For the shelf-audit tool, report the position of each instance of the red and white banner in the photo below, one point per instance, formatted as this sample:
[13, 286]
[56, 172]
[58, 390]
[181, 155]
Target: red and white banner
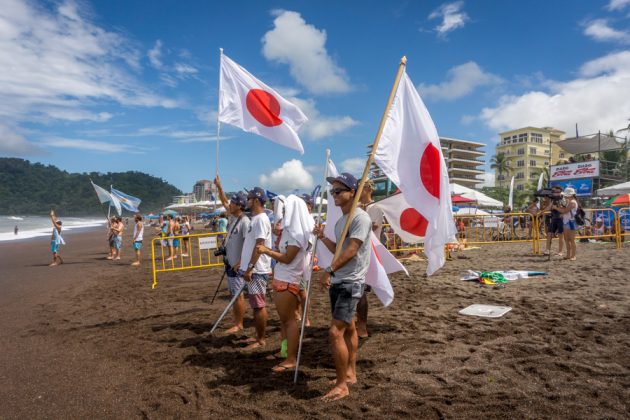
[574, 170]
[251, 105]
[409, 153]
[403, 219]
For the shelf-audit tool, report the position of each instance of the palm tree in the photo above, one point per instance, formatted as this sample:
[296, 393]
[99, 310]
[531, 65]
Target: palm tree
[499, 163]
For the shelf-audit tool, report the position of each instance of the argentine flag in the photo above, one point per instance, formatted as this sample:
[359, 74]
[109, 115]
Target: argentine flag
[127, 202]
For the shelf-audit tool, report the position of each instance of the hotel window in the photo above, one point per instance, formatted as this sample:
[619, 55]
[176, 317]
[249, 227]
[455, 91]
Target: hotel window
[521, 151]
[532, 150]
[507, 163]
[532, 163]
[562, 154]
[537, 138]
[546, 163]
[533, 175]
[520, 175]
[522, 138]
[506, 139]
[546, 151]
[520, 163]
[520, 187]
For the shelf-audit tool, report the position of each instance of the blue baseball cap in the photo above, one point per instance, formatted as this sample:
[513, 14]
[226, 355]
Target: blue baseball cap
[346, 179]
[258, 193]
[239, 199]
[307, 199]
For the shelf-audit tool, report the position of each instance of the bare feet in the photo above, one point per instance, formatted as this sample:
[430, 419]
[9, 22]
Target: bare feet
[52, 264]
[117, 258]
[362, 332]
[254, 345]
[60, 259]
[350, 380]
[135, 263]
[274, 356]
[338, 392]
[234, 329]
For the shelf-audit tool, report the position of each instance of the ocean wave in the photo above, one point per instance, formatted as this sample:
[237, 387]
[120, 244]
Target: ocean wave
[68, 225]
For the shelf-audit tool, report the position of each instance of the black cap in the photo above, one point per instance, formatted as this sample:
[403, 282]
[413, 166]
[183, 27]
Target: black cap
[239, 199]
[307, 199]
[346, 179]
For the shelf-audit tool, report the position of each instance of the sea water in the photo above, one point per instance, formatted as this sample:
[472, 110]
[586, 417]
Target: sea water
[34, 226]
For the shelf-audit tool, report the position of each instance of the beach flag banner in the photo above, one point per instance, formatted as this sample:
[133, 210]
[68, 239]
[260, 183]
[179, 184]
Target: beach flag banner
[511, 196]
[403, 219]
[127, 202]
[409, 153]
[382, 262]
[105, 196]
[249, 104]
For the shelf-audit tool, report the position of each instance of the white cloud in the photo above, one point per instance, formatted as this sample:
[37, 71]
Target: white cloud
[460, 81]
[14, 144]
[488, 179]
[354, 165]
[184, 70]
[91, 145]
[617, 4]
[303, 48]
[452, 17]
[290, 176]
[596, 100]
[599, 30]
[56, 64]
[320, 126]
[155, 55]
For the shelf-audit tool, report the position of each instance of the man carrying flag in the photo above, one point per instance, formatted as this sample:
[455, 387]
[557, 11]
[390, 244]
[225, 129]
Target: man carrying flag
[345, 278]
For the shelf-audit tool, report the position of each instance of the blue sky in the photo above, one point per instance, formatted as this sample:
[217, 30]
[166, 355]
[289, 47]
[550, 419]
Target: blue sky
[119, 85]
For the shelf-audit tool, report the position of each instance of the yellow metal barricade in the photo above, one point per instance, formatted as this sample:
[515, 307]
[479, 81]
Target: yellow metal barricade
[395, 244]
[623, 225]
[200, 249]
[481, 229]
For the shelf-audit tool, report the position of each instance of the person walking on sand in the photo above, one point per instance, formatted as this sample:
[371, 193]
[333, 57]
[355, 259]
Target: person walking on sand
[15, 230]
[138, 233]
[256, 272]
[55, 240]
[170, 232]
[345, 278]
[237, 229]
[293, 259]
[553, 221]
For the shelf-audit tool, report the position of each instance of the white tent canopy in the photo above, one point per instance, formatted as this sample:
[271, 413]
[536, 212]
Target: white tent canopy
[481, 199]
[623, 188]
[198, 204]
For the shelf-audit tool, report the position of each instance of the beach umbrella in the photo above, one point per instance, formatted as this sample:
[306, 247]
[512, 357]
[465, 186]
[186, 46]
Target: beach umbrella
[622, 200]
[171, 212]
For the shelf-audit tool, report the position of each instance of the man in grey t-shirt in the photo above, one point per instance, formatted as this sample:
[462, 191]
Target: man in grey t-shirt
[346, 278]
[236, 231]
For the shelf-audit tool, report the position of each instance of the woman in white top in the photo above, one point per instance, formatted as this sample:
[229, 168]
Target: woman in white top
[292, 257]
[568, 219]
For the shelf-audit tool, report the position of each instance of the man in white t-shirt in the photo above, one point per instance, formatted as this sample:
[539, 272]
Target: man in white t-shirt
[256, 267]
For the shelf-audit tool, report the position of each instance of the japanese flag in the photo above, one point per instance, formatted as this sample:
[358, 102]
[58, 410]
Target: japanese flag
[409, 153]
[404, 219]
[251, 105]
[381, 261]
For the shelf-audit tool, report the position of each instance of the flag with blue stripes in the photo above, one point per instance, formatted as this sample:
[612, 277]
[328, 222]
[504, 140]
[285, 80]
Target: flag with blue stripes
[127, 201]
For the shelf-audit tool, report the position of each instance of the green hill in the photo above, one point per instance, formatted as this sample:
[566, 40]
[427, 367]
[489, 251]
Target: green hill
[33, 189]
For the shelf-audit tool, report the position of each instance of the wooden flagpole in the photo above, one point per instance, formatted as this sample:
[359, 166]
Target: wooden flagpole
[310, 270]
[218, 108]
[366, 170]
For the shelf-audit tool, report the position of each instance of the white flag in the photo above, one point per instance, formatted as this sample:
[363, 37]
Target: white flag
[404, 219]
[105, 196]
[381, 261]
[511, 196]
[409, 153]
[251, 105]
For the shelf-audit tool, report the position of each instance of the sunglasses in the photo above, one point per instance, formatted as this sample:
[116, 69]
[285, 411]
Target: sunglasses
[336, 191]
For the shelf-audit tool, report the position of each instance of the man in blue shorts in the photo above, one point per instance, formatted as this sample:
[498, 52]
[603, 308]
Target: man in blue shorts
[345, 278]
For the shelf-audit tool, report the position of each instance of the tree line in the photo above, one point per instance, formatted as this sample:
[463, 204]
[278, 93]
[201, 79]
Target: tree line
[33, 189]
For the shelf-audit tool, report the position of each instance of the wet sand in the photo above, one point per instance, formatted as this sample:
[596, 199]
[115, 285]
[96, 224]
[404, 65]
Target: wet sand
[90, 339]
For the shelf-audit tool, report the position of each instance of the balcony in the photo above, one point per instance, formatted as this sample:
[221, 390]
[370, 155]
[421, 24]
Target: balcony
[465, 170]
[466, 160]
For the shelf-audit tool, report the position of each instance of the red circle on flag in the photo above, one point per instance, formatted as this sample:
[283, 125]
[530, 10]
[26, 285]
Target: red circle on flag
[264, 107]
[413, 222]
[430, 170]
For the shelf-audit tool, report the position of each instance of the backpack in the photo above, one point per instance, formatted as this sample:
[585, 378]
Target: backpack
[580, 215]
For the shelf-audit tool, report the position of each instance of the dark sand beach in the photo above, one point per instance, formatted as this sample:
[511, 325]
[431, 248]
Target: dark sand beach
[90, 339]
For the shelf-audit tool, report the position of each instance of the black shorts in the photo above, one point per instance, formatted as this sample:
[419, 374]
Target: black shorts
[344, 298]
[556, 226]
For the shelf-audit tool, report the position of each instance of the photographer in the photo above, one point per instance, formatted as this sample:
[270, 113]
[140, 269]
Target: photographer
[568, 210]
[553, 221]
[233, 246]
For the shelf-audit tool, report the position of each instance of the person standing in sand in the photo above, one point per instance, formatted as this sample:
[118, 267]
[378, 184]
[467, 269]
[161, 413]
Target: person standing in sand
[117, 230]
[553, 221]
[345, 278]
[55, 240]
[293, 258]
[237, 229]
[568, 212]
[365, 203]
[256, 272]
[138, 233]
